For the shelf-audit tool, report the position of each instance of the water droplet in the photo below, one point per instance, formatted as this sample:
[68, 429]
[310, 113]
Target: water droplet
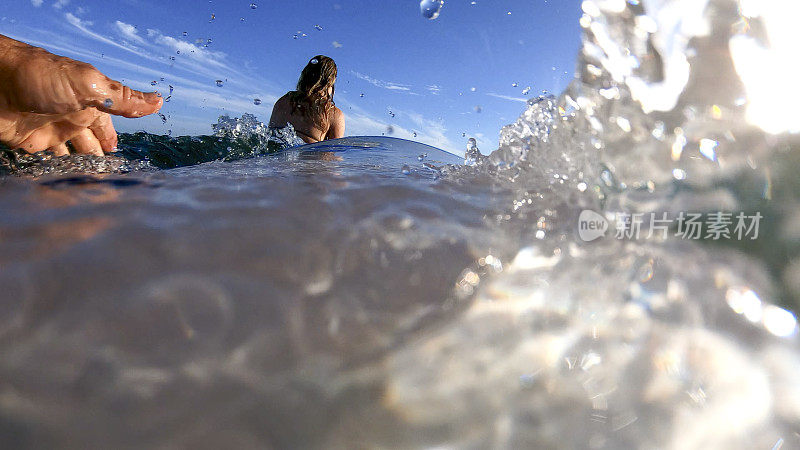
[163, 117]
[526, 90]
[422, 156]
[256, 101]
[253, 6]
[473, 154]
[708, 148]
[318, 27]
[389, 129]
[314, 61]
[172, 58]
[430, 9]
[473, 89]
[185, 33]
[391, 114]
[153, 83]
[415, 134]
[213, 18]
[405, 170]
[219, 83]
[108, 103]
[362, 95]
[478, 109]
[514, 84]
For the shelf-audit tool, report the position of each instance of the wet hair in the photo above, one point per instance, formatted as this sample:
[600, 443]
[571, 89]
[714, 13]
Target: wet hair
[311, 96]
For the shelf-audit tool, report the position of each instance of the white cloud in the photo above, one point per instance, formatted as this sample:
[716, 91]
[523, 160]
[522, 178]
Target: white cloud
[37, 3]
[359, 123]
[336, 44]
[187, 48]
[83, 25]
[60, 4]
[434, 89]
[506, 97]
[382, 84]
[129, 32]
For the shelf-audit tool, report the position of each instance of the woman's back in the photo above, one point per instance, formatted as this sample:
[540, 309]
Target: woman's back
[310, 124]
[311, 109]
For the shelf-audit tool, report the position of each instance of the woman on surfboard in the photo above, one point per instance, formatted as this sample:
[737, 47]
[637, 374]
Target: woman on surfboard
[310, 109]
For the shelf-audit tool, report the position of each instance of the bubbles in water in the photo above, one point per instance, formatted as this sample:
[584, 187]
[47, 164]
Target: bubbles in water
[185, 33]
[256, 101]
[253, 6]
[153, 83]
[405, 170]
[391, 114]
[318, 27]
[362, 95]
[169, 96]
[431, 8]
[219, 83]
[108, 103]
[163, 117]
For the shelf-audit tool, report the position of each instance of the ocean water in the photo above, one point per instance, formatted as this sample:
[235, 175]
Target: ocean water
[379, 293]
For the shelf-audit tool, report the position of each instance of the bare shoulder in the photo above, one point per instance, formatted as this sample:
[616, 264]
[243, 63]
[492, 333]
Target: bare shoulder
[338, 115]
[336, 129]
[284, 100]
[281, 111]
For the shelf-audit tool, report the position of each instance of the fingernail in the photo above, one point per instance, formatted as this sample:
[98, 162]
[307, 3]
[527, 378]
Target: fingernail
[152, 99]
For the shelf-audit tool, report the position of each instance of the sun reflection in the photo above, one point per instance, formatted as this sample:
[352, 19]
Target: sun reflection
[769, 70]
[776, 320]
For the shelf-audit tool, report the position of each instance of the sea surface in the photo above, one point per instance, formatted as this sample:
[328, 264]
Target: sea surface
[238, 291]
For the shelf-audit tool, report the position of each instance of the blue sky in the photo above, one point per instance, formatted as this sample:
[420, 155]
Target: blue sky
[441, 79]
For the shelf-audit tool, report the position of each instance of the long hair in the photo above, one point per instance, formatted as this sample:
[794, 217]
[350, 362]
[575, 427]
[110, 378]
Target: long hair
[311, 96]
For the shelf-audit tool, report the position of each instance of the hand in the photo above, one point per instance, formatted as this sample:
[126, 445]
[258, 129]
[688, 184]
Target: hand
[47, 100]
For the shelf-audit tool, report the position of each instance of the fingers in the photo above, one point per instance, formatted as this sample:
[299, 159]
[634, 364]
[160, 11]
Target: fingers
[103, 129]
[115, 98]
[86, 143]
[60, 149]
